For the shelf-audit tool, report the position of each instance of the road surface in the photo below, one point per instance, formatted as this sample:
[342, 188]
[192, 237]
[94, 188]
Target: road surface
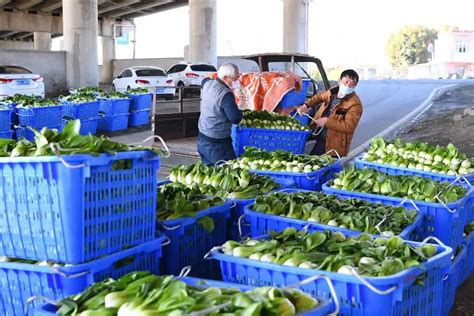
[387, 101]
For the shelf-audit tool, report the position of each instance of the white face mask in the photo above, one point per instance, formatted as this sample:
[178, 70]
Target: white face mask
[343, 89]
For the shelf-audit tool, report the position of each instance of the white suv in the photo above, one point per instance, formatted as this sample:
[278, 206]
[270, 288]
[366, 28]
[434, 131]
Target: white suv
[187, 74]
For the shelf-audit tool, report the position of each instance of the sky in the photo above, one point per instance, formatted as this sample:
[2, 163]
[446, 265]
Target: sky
[341, 33]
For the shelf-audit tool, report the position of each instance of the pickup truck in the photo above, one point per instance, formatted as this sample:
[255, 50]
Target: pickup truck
[184, 123]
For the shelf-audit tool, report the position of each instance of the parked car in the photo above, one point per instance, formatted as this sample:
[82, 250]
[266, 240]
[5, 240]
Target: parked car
[188, 74]
[19, 80]
[145, 77]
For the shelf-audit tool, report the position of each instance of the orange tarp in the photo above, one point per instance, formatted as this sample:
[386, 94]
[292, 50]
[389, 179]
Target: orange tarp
[264, 90]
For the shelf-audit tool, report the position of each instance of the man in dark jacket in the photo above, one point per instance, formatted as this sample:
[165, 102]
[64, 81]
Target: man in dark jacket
[218, 112]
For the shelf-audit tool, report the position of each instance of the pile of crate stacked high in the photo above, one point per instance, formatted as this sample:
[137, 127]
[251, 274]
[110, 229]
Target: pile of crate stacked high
[86, 112]
[37, 118]
[140, 108]
[92, 216]
[114, 114]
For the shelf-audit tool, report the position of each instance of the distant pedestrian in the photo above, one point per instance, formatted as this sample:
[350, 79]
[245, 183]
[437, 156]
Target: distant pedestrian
[338, 111]
[218, 112]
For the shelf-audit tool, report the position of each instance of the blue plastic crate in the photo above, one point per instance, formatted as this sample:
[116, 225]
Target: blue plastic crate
[450, 284]
[5, 119]
[114, 106]
[394, 170]
[82, 111]
[7, 134]
[26, 133]
[324, 307]
[268, 139]
[113, 123]
[360, 163]
[468, 266]
[40, 116]
[190, 242]
[308, 181]
[238, 210]
[138, 118]
[26, 280]
[50, 211]
[262, 224]
[447, 225]
[404, 297]
[89, 126]
[294, 97]
[140, 101]
[14, 116]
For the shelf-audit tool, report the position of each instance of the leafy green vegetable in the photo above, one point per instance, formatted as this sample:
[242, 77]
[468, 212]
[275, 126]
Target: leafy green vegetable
[176, 200]
[80, 98]
[416, 188]
[27, 101]
[140, 293]
[86, 90]
[270, 120]
[421, 156]
[469, 228]
[138, 91]
[280, 160]
[223, 180]
[351, 214]
[114, 95]
[68, 142]
[328, 251]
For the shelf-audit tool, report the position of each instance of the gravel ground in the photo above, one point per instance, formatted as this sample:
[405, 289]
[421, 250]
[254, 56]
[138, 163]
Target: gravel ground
[450, 119]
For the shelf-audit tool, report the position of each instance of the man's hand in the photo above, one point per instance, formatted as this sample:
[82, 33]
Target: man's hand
[302, 109]
[321, 122]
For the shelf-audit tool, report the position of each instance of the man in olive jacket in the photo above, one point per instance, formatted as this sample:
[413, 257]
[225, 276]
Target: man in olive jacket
[338, 111]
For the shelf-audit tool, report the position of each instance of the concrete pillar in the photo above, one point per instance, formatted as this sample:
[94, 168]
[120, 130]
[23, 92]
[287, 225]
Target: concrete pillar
[203, 31]
[80, 22]
[108, 50]
[42, 40]
[186, 52]
[295, 26]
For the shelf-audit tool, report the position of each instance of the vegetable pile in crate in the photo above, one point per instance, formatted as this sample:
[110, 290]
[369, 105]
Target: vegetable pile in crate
[445, 206]
[302, 171]
[141, 293]
[269, 131]
[194, 222]
[27, 278]
[375, 276]
[72, 198]
[239, 185]
[87, 90]
[223, 180]
[436, 162]
[315, 210]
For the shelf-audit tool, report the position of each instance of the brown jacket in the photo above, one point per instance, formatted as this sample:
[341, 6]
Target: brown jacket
[342, 121]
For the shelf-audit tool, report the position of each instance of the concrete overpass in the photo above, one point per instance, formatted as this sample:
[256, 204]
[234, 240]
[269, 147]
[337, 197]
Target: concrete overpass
[23, 22]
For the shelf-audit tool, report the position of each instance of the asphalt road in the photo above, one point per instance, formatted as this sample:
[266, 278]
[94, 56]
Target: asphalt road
[387, 101]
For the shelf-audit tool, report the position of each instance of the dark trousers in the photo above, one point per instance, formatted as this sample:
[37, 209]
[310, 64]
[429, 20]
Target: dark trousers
[320, 146]
[211, 152]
